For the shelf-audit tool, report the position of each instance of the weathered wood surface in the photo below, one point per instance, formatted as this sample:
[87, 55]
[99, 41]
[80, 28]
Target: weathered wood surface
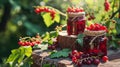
[38, 56]
[67, 41]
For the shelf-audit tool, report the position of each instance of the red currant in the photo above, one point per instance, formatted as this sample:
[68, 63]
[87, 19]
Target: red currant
[96, 61]
[37, 10]
[74, 52]
[105, 58]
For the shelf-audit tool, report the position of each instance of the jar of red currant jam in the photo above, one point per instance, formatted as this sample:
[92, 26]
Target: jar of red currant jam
[76, 21]
[95, 41]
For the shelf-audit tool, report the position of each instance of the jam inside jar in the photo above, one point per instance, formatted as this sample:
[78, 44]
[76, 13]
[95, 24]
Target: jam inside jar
[95, 44]
[76, 23]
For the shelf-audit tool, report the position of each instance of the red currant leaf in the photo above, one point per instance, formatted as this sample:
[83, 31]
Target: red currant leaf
[57, 18]
[47, 19]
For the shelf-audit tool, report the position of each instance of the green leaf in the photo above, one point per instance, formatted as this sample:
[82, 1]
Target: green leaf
[47, 19]
[28, 51]
[62, 53]
[57, 18]
[50, 41]
[18, 55]
[53, 34]
[46, 36]
[12, 56]
[80, 39]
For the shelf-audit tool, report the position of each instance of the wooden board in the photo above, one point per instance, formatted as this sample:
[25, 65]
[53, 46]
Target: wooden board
[66, 62]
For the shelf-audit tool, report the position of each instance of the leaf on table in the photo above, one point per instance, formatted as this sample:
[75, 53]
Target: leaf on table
[62, 53]
[41, 46]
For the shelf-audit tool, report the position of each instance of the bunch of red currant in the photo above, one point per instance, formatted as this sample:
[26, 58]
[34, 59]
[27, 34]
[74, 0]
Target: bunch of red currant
[45, 9]
[53, 46]
[29, 41]
[79, 58]
[107, 5]
[96, 27]
[74, 10]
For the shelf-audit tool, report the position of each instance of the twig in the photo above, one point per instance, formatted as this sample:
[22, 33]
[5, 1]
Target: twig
[113, 14]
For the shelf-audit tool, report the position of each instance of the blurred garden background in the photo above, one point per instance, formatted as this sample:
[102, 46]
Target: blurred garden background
[18, 19]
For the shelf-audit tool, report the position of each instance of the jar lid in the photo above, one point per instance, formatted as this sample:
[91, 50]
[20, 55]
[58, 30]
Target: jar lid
[77, 14]
[94, 33]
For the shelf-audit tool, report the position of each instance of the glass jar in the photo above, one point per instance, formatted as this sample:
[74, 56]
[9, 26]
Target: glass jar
[95, 42]
[76, 23]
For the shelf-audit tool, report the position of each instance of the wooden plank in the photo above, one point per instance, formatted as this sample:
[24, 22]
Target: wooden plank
[66, 62]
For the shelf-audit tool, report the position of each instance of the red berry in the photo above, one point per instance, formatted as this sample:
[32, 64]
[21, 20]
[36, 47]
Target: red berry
[74, 59]
[107, 5]
[74, 52]
[23, 44]
[38, 42]
[105, 58]
[37, 10]
[89, 18]
[69, 9]
[77, 10]
[49, 47]
[20, 42]
[84, 61]
[31, 44]
[96, 61]
[79, 64]
[53, 47]
[88, 62]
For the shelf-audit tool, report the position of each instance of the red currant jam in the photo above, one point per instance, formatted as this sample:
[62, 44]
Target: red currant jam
[76, 23]
[80, 26]
[98, 46]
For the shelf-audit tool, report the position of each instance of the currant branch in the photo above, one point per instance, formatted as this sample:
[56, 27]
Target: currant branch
[113, 14]
[63, 14]
[57, 11]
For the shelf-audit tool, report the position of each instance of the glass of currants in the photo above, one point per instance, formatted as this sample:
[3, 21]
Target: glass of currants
[76, 21]
[95, 40]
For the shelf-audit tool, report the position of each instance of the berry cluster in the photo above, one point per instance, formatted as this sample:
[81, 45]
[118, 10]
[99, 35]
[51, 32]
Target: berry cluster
[45, 9]
[79, 58]
[107, 5]
[53, 47]
[90, 16]
[74, 10]
[29, 41]
[96, 27]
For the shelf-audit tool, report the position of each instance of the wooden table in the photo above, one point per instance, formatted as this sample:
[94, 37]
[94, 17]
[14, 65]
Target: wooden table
[40, 58]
